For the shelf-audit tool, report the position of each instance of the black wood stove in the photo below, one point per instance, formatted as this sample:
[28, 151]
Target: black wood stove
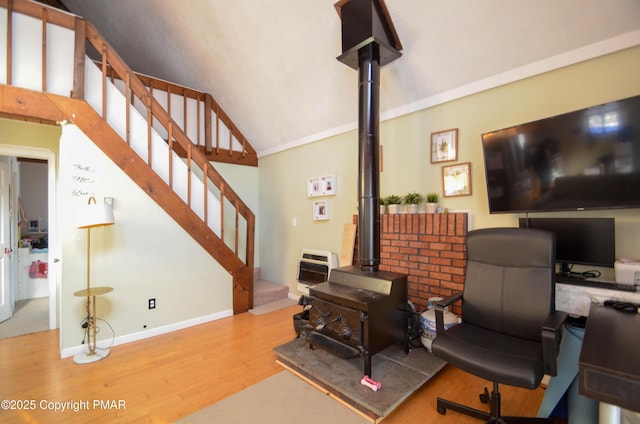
[360, 311]
[358, 314]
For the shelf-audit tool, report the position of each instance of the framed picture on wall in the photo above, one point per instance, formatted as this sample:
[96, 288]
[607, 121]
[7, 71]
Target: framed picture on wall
[321, 210]
[444, 146]
[313, 187]
[456, 180]
[321, 186]
[34, 226]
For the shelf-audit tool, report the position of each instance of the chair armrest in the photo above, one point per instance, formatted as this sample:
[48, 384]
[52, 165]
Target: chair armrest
[448, 301]
[551, 336]
[440, 310]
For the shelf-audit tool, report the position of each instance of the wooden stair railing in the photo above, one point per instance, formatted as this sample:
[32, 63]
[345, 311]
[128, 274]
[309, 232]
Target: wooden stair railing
[201, 212]
[213, 127]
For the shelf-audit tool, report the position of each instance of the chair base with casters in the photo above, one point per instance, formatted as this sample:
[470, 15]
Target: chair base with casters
[493, 416]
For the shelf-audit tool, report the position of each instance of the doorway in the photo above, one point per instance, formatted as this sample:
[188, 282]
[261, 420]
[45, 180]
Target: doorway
[42, 276]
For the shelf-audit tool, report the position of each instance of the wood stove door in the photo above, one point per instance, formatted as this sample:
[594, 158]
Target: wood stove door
[338, 322]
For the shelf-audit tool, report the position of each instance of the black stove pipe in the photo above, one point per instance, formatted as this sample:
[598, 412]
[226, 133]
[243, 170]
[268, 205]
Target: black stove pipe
[369, 157]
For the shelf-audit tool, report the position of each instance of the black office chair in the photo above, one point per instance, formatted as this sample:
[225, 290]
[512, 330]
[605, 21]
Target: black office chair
[510, 331]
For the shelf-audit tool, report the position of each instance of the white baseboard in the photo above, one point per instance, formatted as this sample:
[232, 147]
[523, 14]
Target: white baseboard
[293, 296]
[152, 332]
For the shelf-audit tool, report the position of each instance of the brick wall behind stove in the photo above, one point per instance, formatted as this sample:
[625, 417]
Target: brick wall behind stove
[429, 248]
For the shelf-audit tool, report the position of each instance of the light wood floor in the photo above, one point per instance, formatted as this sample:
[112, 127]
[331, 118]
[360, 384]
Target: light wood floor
[170, 376]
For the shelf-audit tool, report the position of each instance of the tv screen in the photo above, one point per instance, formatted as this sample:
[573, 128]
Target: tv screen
[579, 241]
[587, 159]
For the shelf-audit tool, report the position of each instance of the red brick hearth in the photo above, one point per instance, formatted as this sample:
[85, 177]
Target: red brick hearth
[429, 248]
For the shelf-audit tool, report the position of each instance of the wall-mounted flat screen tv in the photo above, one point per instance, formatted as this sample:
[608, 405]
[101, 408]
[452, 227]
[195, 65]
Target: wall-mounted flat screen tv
[586, 159]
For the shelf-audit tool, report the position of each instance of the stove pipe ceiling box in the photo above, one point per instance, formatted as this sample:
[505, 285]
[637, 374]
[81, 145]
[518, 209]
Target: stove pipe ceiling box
[365, 22]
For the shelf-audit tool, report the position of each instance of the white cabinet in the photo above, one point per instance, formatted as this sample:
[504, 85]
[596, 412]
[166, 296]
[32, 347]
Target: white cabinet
[27, 286]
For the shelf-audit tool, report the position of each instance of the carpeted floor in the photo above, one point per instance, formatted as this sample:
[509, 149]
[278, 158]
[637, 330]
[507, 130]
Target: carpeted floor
[280, 399]
[29, 316]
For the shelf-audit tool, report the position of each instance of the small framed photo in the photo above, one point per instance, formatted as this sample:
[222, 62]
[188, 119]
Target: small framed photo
[313, 187]
[34, 226]
[444, 146]
[321, 186]
[321, 210]
[456, 180]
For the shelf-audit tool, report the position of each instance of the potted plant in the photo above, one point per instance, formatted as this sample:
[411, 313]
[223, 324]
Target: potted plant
[393, 203]
[412, 200]
[432, 202]
[383, 205]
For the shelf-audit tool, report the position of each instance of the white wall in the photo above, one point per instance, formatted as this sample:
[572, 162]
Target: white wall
[407, 167]
[144, 255]
[244, 180]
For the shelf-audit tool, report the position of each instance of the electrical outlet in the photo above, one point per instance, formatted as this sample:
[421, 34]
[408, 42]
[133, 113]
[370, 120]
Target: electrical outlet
[152, 303]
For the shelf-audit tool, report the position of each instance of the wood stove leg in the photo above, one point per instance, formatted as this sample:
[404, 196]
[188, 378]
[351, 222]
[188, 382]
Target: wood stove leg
[407, 338]
[367, 365]
[408, 315]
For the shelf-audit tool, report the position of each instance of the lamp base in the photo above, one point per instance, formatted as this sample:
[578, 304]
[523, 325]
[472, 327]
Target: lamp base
[86, 358]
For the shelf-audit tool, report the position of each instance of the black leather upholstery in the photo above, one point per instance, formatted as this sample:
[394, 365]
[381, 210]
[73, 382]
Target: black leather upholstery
[493, 356]
[510, 331]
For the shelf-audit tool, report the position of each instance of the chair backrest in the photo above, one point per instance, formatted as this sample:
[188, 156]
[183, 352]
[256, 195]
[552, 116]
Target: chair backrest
[509, 280]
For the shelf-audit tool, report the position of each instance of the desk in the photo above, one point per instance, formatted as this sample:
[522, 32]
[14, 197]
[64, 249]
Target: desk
[609, 364]
[577, 299]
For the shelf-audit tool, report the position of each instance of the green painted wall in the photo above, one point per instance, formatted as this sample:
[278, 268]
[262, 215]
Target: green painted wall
[407, 167]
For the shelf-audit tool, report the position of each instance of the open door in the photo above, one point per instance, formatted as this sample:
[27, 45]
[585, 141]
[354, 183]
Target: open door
[6, 295]
[9, 263]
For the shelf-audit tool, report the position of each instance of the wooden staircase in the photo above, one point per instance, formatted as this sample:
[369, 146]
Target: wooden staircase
[124, 117]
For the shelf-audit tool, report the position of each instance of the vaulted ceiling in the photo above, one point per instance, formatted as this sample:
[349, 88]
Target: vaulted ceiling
[272, 64]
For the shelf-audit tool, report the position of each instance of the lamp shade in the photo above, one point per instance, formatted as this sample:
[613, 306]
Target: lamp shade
[94, 215]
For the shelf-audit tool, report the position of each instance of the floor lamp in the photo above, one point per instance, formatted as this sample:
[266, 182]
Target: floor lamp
[90, 216]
